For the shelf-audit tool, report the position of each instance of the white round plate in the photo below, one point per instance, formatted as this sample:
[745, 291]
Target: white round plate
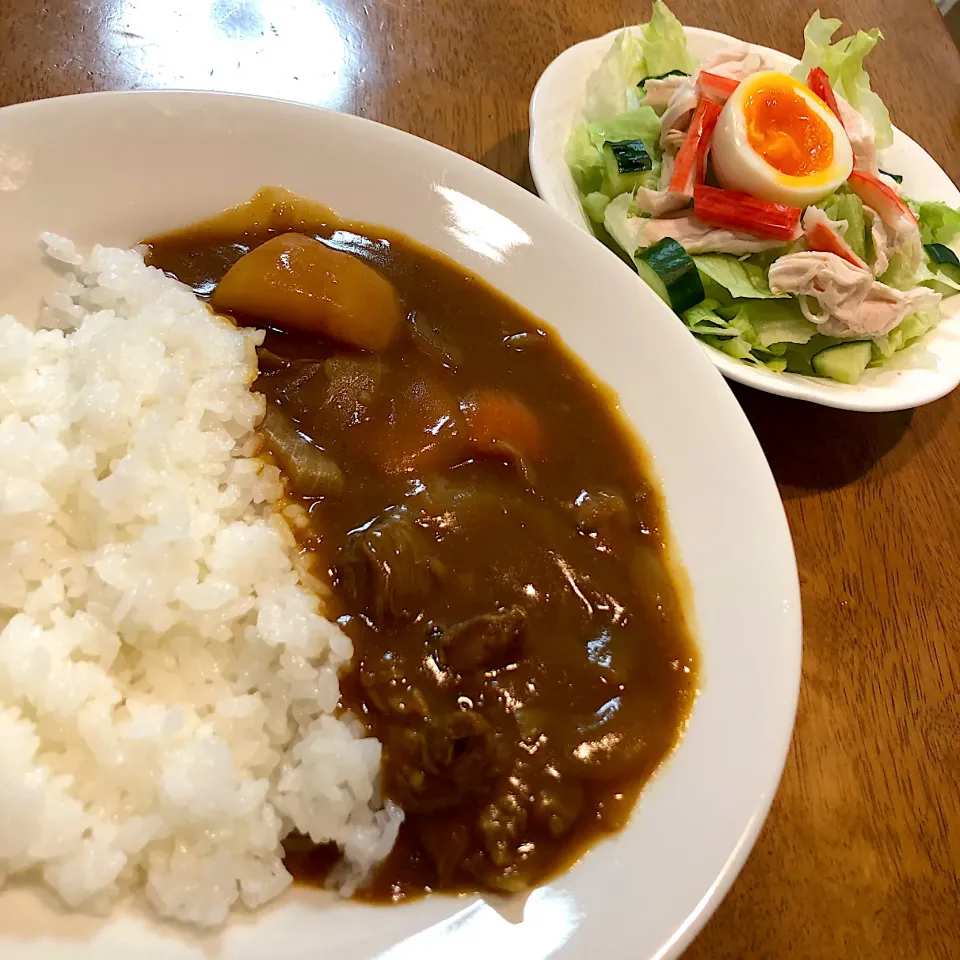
[112, 168]
[926, 371]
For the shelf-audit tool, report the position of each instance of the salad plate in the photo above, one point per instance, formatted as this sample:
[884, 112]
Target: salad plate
[906, 369]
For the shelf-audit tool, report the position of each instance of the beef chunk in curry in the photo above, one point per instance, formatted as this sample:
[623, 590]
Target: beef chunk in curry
[494, 544]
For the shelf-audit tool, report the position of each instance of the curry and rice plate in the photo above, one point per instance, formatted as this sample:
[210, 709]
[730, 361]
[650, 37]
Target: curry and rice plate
[379, 597]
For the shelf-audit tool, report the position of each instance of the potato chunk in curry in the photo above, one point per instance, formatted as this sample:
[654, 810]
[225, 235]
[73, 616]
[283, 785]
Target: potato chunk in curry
[296, 282]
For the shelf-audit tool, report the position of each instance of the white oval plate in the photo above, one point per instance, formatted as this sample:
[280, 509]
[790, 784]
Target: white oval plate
[113, 168]
[926, 371]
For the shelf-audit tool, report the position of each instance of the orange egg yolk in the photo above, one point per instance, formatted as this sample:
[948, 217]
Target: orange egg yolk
[786, 131]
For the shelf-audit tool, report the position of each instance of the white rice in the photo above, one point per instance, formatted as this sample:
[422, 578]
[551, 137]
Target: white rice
[167, 681]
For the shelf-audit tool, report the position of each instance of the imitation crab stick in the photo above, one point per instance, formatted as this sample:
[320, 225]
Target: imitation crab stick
[742, 212]
[691, 160]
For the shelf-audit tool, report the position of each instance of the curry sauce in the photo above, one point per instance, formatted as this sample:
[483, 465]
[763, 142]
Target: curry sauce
[495, 547]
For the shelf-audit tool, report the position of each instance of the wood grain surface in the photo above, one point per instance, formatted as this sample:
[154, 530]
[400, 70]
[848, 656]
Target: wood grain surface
[860, 855]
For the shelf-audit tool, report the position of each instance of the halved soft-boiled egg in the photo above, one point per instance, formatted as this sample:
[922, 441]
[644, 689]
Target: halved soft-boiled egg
[777, 140]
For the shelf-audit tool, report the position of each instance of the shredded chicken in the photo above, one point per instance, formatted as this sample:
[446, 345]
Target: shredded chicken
[698, 237]
[883, 240]
[862, 138]
[891, 183]
[679, 110]
[660, 92]
[673, 131]
[658, 203]
[673, 140]
[736, 62]
[667, 163]
[852, 303]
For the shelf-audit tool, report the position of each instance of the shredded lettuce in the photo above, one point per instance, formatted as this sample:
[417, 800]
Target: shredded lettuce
[773, 333]
[847, 206]
[595, 205]
[725, 335]
[778, 322]
[585, 161]
[909, 330]
[738, 336]
[843, 63]
[777, 364]
[612, 87]
[764, 333]
[640, 124]
[664, 45]
[622, 224]
[584, 152]
[938, 222]
[902, 274]
[704, 320]
[740, 278]
[650, 50]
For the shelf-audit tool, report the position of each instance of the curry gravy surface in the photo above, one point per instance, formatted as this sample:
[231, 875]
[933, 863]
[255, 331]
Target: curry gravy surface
[496, 550]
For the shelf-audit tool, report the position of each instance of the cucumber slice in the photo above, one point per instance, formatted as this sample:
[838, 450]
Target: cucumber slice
[940, 253]
[844, 362]
[627, 165]
[631, 155]
[663, 76]
[944, 269]
[895, 177]
[671, 272]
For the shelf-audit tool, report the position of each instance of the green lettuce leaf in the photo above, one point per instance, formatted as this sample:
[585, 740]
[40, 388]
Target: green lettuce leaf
[908, 331]
[902, 275]
[740, 278]
[735, 336]
[705, 321]
[622, 224]
[774, 333]
[712, 329]
[612, 87]
[642, 123]
[595, 205]
[776, 364]
[653, 49]
[584, 151]
[664, 45]
[777, 322]
[843, 63]
[917, 324]
[845, 205]
[585, 161]
[938, 222]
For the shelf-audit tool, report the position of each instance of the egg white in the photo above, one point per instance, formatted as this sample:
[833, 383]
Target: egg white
[739, 167]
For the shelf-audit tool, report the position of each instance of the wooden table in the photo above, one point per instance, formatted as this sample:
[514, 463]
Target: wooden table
[859, 858]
